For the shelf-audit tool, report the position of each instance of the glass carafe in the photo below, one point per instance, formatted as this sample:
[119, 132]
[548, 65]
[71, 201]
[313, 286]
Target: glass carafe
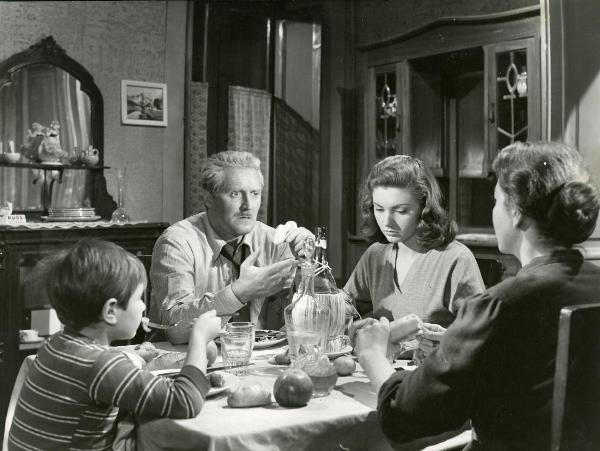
[120, 215]
[327, 292]
[306, 319]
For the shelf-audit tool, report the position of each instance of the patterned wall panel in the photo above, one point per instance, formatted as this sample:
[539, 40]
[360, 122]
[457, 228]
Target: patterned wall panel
[249, 129]
[198, 151]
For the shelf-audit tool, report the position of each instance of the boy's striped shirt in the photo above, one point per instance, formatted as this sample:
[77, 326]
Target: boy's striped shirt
[76, 388]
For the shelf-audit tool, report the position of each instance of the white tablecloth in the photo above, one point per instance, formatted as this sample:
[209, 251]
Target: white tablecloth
[344, 420]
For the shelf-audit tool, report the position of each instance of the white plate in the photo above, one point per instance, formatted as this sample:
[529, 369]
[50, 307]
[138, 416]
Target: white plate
[345, 350]
[260, 344]
[231, 381]
[268, 343]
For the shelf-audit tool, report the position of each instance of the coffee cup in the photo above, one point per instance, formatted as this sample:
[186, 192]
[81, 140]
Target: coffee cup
[28, 335]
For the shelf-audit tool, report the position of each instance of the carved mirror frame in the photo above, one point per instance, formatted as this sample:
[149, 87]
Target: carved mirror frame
[47, 51]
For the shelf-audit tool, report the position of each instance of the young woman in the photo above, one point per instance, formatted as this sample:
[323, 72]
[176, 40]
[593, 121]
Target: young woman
[495, 363]
[414, 265]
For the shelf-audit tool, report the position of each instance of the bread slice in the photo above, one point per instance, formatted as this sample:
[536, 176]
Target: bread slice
[167, 360]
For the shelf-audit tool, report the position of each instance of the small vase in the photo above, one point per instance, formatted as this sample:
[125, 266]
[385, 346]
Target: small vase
[120, 215]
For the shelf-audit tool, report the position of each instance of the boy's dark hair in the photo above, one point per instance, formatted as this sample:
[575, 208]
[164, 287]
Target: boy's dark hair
[79, 280]
[435, 228]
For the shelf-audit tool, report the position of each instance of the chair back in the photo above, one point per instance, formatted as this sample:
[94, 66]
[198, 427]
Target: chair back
[491, 270]
[12, 404]
[576, 401]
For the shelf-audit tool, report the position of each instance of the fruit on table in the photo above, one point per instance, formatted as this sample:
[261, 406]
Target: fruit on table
[253, 395]
[211, 352]
[216, 379]
[283, 358]
[293, 388]
[321, 371]
[344, 365]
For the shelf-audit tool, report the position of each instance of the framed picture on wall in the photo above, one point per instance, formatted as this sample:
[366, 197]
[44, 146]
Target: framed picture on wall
[143, 103]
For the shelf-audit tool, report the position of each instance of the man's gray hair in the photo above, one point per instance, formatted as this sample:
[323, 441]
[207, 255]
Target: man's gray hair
[212, 178]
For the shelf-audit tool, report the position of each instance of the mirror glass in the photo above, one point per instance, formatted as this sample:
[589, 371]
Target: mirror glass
[43, 93]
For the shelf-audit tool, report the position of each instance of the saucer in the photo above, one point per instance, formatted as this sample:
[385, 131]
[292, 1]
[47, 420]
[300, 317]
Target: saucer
[345, 350]
[35, 340]
[70, 219]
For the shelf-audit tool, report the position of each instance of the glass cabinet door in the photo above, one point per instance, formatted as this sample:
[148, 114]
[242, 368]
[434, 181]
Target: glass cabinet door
[454, 111]
[514, 92]
[386, 112]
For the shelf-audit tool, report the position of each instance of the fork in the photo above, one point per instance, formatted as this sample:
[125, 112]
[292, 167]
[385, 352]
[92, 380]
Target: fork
[158, 326]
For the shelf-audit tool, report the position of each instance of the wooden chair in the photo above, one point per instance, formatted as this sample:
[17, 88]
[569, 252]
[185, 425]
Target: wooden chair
[12, 404]
[491, 270]
[576, 401]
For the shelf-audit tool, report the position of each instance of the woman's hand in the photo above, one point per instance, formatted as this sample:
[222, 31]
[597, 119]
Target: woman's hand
[373, 337]
[371, 346]
[356, 326]
[430, 340]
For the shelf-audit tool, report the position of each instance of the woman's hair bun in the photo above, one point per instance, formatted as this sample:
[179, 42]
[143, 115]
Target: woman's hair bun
[573, 213]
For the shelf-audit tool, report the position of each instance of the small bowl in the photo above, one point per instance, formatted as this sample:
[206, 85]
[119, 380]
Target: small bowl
[12, 157]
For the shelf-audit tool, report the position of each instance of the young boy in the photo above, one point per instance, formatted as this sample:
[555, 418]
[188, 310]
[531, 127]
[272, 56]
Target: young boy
[78, 383]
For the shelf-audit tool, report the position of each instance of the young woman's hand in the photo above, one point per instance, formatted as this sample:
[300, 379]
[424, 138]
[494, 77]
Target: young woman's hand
[373, 338]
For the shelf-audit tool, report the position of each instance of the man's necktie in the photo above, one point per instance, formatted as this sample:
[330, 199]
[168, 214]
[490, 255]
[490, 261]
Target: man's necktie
[236, 254]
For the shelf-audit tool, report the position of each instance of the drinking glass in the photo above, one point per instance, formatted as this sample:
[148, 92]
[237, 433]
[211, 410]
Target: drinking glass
[242, 327]
[236, 348]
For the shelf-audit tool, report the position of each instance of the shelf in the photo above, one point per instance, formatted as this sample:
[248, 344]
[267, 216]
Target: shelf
[52, 167]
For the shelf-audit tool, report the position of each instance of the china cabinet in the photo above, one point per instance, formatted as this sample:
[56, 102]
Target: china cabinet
[453, 96]
[452, 93]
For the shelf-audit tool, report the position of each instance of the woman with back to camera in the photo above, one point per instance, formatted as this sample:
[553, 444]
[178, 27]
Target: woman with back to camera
[495, 364]
[414, 266]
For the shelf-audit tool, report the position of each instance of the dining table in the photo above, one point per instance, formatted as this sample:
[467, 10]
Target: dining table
[346, 419]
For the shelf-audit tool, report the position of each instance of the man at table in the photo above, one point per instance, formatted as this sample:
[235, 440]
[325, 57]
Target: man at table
[224, 259]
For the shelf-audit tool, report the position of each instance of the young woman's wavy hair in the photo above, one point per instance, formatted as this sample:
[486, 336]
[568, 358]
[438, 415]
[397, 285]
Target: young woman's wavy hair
[435, 228]
[549, 182]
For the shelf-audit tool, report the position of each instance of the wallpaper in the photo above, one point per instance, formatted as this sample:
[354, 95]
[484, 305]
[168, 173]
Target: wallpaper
[114, 41]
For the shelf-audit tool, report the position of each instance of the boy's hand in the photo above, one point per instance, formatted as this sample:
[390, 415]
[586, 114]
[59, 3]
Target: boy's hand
[207, 326]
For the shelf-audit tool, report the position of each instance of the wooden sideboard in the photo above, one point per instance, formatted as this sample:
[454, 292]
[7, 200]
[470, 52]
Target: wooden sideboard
[20, 249]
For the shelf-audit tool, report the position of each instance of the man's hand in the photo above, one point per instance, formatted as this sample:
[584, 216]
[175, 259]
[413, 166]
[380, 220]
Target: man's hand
[260, 282]
[432, 335]
[293, 235]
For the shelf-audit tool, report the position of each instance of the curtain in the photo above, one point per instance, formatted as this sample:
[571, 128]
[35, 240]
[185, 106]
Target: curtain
[250, 128]
[296, 155]
[197, 151]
